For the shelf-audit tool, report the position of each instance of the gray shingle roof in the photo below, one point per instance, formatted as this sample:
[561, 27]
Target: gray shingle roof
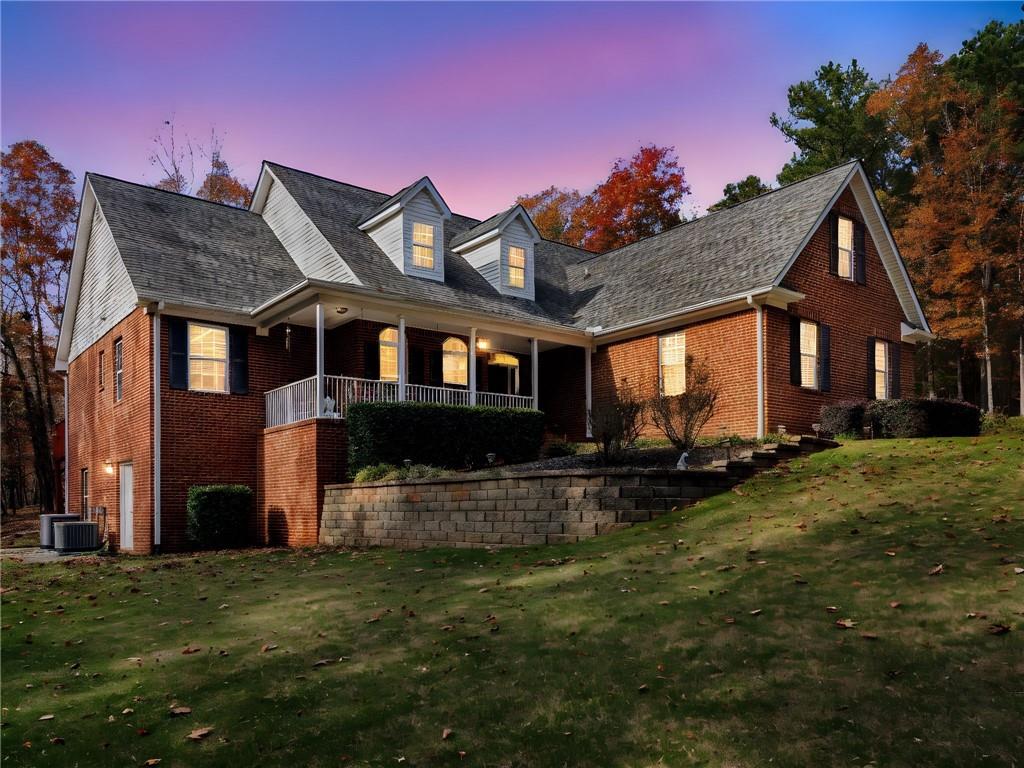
[184, 250]
[387, 203]
[336, 208]
[723, 254]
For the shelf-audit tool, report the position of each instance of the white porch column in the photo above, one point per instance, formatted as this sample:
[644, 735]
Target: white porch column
[588, 385]
[321, 393]
[534, 378]
[401, 357]
[472, 366]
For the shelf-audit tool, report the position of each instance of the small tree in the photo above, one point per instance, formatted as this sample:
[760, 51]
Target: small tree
[682, 417]
[617, 423]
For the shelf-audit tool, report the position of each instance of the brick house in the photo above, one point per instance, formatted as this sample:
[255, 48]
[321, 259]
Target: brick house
[208, 344]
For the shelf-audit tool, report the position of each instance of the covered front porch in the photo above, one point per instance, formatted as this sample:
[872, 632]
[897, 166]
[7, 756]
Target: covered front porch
[367, 353]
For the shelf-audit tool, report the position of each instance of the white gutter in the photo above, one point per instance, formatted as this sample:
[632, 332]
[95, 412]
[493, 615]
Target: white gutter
[759, 317]
[67, 446]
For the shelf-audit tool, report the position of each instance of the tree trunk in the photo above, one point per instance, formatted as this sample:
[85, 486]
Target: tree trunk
[986, 352]
[1020, 372]
[930, 371]
[959, 373]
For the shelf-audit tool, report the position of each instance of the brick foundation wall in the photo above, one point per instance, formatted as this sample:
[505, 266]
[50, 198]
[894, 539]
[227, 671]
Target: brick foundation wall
[101, 429]
[728, 344]
[547, 507]
[854, 312]
[295, 463]
[212, 437]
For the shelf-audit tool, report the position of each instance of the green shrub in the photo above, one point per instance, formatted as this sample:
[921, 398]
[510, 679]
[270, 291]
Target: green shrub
[923, 418]
[449, 436]
[845, 418]
[557, 448]
[386, 473]
[218, 516]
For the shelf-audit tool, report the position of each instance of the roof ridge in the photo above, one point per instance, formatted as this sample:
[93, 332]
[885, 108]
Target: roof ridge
[710, 214]
[94, 174]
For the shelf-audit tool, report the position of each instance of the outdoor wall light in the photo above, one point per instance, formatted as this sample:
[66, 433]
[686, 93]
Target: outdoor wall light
[483, 344]
[108, 467]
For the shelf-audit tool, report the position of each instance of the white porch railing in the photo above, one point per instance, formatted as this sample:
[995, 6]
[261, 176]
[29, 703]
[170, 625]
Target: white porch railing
[296, 401]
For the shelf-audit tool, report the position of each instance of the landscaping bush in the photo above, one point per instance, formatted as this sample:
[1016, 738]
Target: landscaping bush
[555, 449]
[450, 436]
[617, 423]
[923, 418]
[389, 472]
[219, 516]
[845, 418]
[682, 417]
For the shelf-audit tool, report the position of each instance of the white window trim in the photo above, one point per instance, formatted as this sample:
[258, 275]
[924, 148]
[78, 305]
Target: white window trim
[381, 342]
[119, 370]
[457, 357]
[189, 357]
[661, 369]
[431, 245]
[847, 256]
[816, 383]
[103, 372]
[507, 271]
[886, 394]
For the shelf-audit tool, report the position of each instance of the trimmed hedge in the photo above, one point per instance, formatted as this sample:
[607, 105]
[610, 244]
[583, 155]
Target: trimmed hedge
[845, 418]
[450, 436]
[219, 516]
[923, 418]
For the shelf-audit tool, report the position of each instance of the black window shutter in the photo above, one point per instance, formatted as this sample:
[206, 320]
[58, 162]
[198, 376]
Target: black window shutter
[416, 365]
[833, 243]
[371, 360]
[794, 350]
[436, 368]
[860, 254]
[871, 368]
[894, 370]
[238, 351]
[177, 343]
[824, 358]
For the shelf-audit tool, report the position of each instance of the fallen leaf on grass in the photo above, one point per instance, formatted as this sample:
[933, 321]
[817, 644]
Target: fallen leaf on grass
[846, 623]
[190, 650]
[127, 711]
[152, 761]
[267, 647]
[998, 629]
[199, 734]
[937, 570]
[831, 608]
[663, 602]
[1018, 571]
[756, 612]
[895, 604]
[446, 734]
[47, 717]
[869, 635]
[57, 740]
[643, 688]
[178, 711]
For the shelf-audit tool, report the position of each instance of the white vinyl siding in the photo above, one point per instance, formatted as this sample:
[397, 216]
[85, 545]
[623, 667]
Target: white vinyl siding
[207, 358]
[845, 264]
[672, 363]
[107, 295]
[423, 210]
[881, 370]
[808, 354]
[305, 243]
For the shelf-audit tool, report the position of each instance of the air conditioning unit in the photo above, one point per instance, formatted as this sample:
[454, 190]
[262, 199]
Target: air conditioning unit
[46, 528]
[76, 536]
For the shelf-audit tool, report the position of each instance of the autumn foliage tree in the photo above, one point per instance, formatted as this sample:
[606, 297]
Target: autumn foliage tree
[641, 197]
[175, 158]
[38, 216]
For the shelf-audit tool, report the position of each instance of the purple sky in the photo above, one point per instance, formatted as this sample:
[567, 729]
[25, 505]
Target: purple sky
[490, 100]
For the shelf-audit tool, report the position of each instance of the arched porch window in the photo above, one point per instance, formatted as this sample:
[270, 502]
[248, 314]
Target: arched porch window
[388, 344]
[455, 362]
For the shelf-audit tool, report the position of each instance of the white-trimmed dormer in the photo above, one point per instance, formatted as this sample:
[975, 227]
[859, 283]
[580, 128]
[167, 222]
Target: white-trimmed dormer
[409, 228]
[502, 250]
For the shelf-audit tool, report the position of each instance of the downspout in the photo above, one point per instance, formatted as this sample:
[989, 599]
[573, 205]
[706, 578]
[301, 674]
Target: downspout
[759, 318]
[67, 445]
[157, 481]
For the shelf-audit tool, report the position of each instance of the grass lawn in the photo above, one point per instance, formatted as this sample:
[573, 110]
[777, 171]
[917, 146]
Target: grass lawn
[708, 637]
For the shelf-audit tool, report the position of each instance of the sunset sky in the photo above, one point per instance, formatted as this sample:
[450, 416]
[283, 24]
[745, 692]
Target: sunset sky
[490, 100]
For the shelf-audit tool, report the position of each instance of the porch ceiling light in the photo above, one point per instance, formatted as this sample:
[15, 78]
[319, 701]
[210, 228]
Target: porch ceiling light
[483, 343]
[341, 310]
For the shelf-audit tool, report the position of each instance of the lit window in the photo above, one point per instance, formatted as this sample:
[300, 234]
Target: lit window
[845, 265]
[808, 354]
[516, 267]
[672, 360]
[118, 369]
[388, 342]
[455, 361]
[207, 358]
[103, 368]
[85, 492]
[881, 370]
[423, 245]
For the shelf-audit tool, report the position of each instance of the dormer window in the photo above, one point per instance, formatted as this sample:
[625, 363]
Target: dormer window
[423, 245]
[516, 270]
